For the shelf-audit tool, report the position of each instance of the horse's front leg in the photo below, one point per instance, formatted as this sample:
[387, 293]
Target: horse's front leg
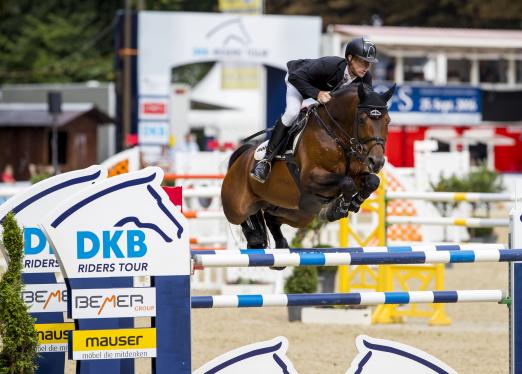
[366, 185]
[340, 206]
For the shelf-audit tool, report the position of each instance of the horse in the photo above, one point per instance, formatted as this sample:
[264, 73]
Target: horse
[340, 150]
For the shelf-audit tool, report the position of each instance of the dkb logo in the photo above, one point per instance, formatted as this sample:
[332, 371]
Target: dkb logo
[89, 244]
[35, 242]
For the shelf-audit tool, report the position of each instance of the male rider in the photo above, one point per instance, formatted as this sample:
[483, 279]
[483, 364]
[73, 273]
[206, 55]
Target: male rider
[315, 78]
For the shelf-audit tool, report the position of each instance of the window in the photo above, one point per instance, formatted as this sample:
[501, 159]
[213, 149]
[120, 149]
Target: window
[414, 69]
[518, 71]
[493, 71]
[62, 147]
[384, 70]
[459, 71]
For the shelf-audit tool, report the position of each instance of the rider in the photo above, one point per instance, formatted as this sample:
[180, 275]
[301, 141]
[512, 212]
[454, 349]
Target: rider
[315, 78]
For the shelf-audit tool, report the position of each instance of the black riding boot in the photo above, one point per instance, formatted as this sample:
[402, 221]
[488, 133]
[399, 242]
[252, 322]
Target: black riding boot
[262, 168]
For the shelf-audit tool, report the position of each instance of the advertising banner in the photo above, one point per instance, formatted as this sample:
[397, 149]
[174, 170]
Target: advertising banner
[113, 344]
[45, 298]
[37, 201]
[124, 226]
[433, 105]
[53, 337]
[113, 302]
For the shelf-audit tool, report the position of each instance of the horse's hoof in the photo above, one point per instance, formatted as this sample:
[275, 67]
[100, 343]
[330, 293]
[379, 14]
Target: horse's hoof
[278, 268]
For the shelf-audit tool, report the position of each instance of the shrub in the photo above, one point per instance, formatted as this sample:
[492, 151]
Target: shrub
[302, 280]
[19, 339]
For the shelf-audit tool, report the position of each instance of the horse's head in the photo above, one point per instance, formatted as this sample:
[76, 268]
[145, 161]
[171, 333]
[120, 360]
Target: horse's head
[370, 129]
[360, 117]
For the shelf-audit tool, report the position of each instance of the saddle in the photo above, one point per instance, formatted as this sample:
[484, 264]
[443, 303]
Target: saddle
[286, 149]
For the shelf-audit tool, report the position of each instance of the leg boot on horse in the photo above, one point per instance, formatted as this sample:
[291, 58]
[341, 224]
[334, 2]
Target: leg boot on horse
[262, 168]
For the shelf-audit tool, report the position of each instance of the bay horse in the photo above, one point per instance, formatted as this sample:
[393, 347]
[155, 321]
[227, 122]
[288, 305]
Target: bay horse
[340, 150]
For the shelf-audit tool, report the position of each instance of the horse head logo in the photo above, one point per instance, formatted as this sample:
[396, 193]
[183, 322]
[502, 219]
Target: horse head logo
[263, 357]
[379, 355]
[228, 32]
[31, 205]
[125, 224]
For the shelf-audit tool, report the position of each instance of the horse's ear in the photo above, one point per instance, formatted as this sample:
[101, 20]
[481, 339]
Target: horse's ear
[361, 91]
[388, 94]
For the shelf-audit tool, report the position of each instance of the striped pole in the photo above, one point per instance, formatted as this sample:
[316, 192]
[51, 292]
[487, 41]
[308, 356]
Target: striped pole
[208, 240]
[450, 196]
[336, 259]
[203, 214]
[369, 249]
[449, 221]
[173, 176]
[355, 298]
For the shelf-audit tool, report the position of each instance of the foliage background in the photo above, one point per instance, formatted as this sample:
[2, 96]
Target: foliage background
[71, 40]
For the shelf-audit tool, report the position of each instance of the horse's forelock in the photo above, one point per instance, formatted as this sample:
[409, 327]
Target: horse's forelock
[373, 99]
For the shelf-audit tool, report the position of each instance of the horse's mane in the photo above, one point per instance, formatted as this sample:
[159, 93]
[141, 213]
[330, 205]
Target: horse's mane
[344, 90]
[372, 98]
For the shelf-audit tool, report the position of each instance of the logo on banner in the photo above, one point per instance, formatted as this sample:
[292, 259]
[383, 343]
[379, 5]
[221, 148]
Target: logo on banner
[38, 253]
[230, 39]
[53, 337]
[124, 226]
[154, 108]
[114, 303]
[43, 298]
[114, 344]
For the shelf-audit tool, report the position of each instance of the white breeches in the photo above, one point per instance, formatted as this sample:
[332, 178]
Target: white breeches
[294, 100]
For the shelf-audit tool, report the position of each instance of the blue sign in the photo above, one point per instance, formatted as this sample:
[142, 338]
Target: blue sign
[433, 105]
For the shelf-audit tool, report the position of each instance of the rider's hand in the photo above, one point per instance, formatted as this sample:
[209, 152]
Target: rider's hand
[323, 97]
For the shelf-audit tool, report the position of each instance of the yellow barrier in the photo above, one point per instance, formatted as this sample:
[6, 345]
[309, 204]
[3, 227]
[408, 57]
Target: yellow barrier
[389, 277]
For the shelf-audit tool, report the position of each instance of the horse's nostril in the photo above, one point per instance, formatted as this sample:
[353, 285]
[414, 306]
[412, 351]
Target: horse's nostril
[375, 164]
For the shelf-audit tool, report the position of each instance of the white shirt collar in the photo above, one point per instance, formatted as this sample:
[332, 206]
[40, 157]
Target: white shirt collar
[347, 77]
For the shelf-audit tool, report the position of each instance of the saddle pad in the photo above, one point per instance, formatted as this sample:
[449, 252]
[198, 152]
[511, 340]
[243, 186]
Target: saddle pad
[261, 148]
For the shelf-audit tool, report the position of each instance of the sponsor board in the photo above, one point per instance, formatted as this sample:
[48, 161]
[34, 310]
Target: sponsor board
[153, 108]
[153, 132]
[123, 226]
[113, 303]
[113, 344]
[30, 205]
[53, 337]
[44, 298]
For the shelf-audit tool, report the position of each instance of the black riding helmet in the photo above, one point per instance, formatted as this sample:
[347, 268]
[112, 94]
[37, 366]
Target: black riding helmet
[362, 48]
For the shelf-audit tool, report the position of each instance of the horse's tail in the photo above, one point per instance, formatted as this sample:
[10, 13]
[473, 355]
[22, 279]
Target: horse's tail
[238, 152]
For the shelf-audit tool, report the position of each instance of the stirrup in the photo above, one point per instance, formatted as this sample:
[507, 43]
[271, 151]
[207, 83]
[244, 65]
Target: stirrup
[264, 160]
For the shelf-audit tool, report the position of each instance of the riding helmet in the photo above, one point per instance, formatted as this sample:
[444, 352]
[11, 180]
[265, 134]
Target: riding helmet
[362, 48]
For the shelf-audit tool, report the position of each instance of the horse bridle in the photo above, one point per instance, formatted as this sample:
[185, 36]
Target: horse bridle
[355, 145]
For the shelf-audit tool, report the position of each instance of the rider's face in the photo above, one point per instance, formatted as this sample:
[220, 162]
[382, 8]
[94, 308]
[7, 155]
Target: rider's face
[358, 66]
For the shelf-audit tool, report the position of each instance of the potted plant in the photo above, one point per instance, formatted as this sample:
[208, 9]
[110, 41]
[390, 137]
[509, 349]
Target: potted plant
[325, 274]
[302, 280]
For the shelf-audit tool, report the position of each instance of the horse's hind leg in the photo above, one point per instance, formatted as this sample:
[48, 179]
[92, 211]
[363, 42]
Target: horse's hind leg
[254, 230]
[274, 225]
